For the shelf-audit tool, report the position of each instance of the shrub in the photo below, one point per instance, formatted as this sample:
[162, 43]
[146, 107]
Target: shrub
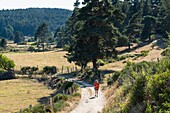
[76, 95]
[123, 57]
[101, 62]
[113, 78]
[144, 53]
[22, 43]
[111, 60]
[58, 106]
[34, 43]
[60, 97]
[50, 69]
[34, 69]
[35, 109]
[166, 52]
[158, 89]
[14, 50]
[25, 69]
[7, 75]
[31, 48]
[144, 85]
[67, 84]
[6, 63]
[138, 90]
[66, 47]
[28, 70]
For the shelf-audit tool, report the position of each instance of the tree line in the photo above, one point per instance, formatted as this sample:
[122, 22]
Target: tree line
[25, 21]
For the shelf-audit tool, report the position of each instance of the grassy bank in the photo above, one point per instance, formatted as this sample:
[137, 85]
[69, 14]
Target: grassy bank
[140, 88]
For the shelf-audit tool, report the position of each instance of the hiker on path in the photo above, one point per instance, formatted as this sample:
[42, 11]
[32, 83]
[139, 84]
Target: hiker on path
[96, 87]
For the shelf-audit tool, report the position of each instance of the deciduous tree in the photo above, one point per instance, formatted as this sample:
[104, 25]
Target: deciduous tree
[6, 63]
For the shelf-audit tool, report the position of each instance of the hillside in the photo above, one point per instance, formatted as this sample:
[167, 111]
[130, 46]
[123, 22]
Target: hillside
[27, 20]
[141, 85]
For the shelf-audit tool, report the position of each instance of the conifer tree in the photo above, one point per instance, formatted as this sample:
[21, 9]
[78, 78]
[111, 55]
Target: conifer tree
[150, 23]
[97, 36]
[41, 35]
[166, 20]
[18, 37]
[3, 43]
[133, 30]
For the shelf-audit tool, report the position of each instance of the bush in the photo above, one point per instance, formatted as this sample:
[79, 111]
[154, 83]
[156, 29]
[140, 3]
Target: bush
[76, 95]
[6, 63]
[50, 69]
[111, 60]
[25, 69]
[113, 78]
[66, 47]
[22, 43]
[166, 52]
[67, 84]
[7, 75]
[14, 50]
[31, 48]
[144, 53]
[101, 62]
[158, 89]
[143, 85]
[58, 106]
[34, 43]
[28, 70]
[123, 57]
[60, 97]
[35, 109]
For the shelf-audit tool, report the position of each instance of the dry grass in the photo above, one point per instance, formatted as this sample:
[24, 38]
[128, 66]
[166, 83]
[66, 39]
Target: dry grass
[20, 93]
[72, 103]
[115, 98]
[40, 59]
[154, 53]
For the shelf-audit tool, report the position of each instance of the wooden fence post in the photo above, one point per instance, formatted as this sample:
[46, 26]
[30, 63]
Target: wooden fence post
[30, 106]
[52, 105]
[70, 91]
[62, 69]
[71, 70]
[68, 69]
[72, 88]
[67, 92]
[20, 111]
[76, 68]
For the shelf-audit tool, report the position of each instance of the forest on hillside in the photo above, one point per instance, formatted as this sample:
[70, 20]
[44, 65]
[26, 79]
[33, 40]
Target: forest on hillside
[136, 20]
[26, 21]
[94, 31]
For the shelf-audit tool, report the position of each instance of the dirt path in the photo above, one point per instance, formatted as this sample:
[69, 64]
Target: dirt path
[89, 103]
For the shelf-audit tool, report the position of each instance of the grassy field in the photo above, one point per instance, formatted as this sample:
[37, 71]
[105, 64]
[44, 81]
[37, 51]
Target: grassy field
[40, 59]
[20, 93]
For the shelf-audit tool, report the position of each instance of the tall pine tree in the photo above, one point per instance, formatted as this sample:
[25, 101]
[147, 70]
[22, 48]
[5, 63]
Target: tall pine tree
[97, 36]
[41, 35]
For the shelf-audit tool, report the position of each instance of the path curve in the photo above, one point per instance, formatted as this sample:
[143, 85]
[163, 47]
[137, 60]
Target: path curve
[88, 103]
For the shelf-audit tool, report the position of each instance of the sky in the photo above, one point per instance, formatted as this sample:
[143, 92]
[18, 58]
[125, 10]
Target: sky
[18, 4]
